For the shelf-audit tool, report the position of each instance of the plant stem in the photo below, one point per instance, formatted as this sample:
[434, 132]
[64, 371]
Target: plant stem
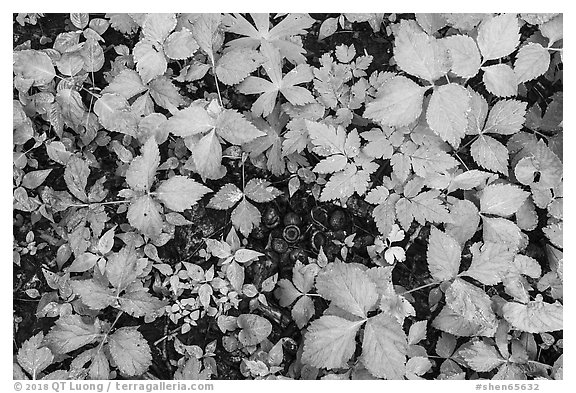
[421, 287]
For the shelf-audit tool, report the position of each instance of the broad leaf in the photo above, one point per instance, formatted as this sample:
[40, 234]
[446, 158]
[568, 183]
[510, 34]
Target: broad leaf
[180, 192]
[140, 303]
[150, 60]
[347, 287]
[260, 190]
[76, 177]
[245, 217]
[33, 357]
[498, 36]
[399, 103]
[207, 154]
[115, 114]
[180, 45]
[330, 342]
[130, 351]
[481, 357]
[254, 329]
[532, 61]
[34, 65]
[144, 215]
[502, 199]
[506, 117]
[501, 230]
[491, 263]
[228, 196]
[465, 223]
[500, 80]
[535, 317]
[447, 112]
[303, 311]
[93, 294]
[443, 255]
[464, 54]
[234, 66]
[490, 154]
[142, 170]
[384, 347]
[70, 333]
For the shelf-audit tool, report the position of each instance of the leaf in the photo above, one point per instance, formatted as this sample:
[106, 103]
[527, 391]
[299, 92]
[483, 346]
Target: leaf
[99, 366]
[501, 230]
[330, 342]
[347, 287]
[127, 84]
[535, 316]
[490, 154]
[498, 36]
[491, 263]
[302, 311]
[378, 146]
[417, 366]
[472, 304]
[157, 26]
[234, 66]
[180, 193]
[165, 93]
[235, 274]
[532, 61]
[286, 293]
[417, 332]
[34, 65]
[115, 114]
[34, 179]
[93, 55]
[443, 255]
[122, 268]
[502, 199]
[140, 303]
[144, 215]
[70, 333]
[481, 357]
[142, 170]
[399, 103]
[384, 348]
[420, 54]
[93, 294]
[33, 357]
[180, 45]
[150, 60]
[190, 121]
[341, 185]
[553, 29]
[245, 217]
[500, 80]
[226, 197]
[235, 128]
[447, 112]
[506, 117]
[327, 139]
[83, 262]
[464, 54]
[327, 28]
[424, 207]
[130, 351]
[254, 329]
[208, 156]
[76, 177]
[465, 221]
[260, 190]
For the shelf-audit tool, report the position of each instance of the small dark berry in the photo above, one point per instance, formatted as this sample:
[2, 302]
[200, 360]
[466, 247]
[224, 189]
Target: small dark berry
[318, 240]
[271, 218]
[279, 245]
[292, 219]
[291, 233]
[337, 220]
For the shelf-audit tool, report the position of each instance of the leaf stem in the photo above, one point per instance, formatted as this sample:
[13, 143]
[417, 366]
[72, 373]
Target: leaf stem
[421, 287]
[556, 49]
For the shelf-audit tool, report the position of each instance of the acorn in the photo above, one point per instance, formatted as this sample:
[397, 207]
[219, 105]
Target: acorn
[337, 220]
[279, 245]
[292, 219]
[318, 240]
[271, 217]
[291, 233]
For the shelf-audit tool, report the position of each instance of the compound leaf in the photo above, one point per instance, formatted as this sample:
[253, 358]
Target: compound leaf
[76, 177]
[93, 294]
[115, 114]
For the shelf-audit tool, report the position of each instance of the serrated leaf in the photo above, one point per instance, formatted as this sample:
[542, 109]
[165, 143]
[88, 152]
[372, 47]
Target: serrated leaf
[443, 255]
[76, 177]
[327, 139]
[378, 146]
[34, 179]
[157, 26]
[327, 28]
[330, 342]
[190, 121]
[420, 54]
[260, 190]
[127, 83]
[500, 80]
[331, 164]
[384, 347]
[347, 287]
[130, 351]
[140, 303]
[428, 161]
[226, 197]
[535, 317]
[122, 268]
[502, 199]
[481, 357]
[165, 93]
[208, 156]
[425, 207]
[234, 66]
[150, 60]
[235, 128]
[245, 217]
[472, 304]
[490, 154]
[553, 29]
[34, 65]
[455, 324]
[33, 357]
[180, 193]
[447, 112]
[491, 263]
[464, 54]
[83, 262]
[70, 333]
[498, 36]
[142, 170]
[180, 45]
[501, 230]
[144, 215]
[417, 332]
[115, 114]
[399, 103]
[532, 61]
[303, 311]
[254, 329]
[506, 117]
[465, 221]
[235, 274]
[93, 294]
[341, 185]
